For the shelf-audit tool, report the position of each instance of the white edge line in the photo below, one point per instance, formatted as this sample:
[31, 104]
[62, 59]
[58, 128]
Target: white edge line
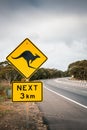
[66, 98]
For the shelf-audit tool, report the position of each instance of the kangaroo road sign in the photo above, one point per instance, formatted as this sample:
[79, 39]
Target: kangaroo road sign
[27, 91]
[26, 58]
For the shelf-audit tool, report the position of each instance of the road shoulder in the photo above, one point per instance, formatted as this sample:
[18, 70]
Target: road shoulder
[15, 116]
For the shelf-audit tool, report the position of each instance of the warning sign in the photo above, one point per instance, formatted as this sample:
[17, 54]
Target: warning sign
[26, 58]
[27, 91]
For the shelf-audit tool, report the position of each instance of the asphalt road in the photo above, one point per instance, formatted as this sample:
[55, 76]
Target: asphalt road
[65, 105]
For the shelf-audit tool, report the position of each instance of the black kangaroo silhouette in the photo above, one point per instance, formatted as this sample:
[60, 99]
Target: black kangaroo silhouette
[28, 56]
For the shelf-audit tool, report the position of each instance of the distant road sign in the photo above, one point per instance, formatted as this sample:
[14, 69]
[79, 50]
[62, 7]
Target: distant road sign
[27, 91]
[26, 58]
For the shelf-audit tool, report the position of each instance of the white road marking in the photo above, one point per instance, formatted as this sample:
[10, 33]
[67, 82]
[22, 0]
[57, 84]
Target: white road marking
[73, 83]
[66, 98]
[84, 92]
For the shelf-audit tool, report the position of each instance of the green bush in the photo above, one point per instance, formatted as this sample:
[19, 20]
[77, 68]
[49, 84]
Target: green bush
[8, 93]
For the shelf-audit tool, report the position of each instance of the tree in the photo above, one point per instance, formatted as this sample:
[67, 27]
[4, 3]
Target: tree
[8, 72]
[78, 69]
[46, 73]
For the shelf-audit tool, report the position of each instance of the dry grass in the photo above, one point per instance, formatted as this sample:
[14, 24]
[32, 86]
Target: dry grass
[15, 116]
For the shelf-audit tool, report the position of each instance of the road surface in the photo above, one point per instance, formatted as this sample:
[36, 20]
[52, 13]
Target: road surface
[65, 105]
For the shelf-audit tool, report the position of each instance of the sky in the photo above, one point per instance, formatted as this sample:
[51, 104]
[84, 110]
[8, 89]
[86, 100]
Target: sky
[57, 27]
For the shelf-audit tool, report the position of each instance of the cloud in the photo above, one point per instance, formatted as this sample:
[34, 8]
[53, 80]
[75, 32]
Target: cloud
[60, 55]
[55, 26]
[57, 6]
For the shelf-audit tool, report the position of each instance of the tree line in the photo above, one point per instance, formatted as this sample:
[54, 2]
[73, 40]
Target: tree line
[76, 69]
[9, 73]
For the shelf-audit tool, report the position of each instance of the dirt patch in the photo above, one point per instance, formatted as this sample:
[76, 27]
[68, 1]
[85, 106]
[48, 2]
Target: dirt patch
[20, 116]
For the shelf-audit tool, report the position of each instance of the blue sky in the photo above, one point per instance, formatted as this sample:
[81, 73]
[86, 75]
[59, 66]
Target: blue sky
[57, 27]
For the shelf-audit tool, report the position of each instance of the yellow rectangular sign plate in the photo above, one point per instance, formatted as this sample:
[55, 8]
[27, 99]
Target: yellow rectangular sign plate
[27, 91]
[26, 58]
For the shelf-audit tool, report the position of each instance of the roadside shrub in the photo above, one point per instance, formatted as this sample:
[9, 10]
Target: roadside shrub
[8, 92]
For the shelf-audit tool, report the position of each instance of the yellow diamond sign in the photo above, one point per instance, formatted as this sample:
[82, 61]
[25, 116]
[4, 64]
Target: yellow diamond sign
[26, 58]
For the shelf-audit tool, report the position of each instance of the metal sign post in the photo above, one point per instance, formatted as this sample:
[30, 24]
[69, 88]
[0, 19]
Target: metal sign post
[27, 112]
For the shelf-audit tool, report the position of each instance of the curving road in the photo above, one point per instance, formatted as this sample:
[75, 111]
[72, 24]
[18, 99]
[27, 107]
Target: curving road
[65, 105]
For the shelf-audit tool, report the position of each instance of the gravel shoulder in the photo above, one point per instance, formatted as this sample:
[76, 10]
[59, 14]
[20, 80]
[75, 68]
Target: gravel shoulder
[20, 116]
